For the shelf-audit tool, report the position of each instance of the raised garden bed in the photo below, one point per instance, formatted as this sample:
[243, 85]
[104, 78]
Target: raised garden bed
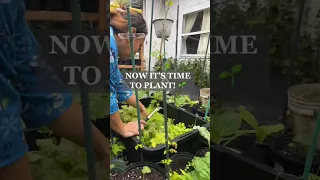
[230, 165]
[188, 142]
[292, 152]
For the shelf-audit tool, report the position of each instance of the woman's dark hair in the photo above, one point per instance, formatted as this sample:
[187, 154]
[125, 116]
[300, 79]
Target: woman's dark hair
[119, 21]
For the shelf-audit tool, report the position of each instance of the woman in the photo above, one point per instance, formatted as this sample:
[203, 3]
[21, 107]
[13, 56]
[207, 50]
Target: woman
[20, 95]
[120, 47]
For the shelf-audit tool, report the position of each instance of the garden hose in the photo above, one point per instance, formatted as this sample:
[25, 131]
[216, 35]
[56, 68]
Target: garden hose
[77, 27]
[312, 148]
[134, 70]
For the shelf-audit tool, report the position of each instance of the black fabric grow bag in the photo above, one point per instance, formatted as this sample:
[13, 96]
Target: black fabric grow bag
[189, 142]
[229, 165]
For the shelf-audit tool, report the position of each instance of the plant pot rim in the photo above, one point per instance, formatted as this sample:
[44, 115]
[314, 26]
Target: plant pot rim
[145, 163]
[158, 19]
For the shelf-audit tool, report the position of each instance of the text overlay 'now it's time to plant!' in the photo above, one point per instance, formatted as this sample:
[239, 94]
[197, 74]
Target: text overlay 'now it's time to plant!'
[157, 80]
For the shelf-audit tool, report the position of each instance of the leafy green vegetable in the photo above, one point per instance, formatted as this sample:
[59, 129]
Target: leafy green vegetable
[226, 124]
[117, 147]
[262, 132]
[197, 169]
[204, 133]
[145, 170]
[66, 161]
[98, 104]
[153, 133]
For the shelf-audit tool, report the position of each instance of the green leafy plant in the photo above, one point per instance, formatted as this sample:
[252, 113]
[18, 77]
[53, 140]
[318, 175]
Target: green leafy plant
[145, 170]
[279, 17]
[197, 169]
[172, 148]
[234, 70]
[153, 133]
[117, 148]
[262, 132]
[66, 161]
[204, 133]
[98, 104]
[225, 126]
[166, 161]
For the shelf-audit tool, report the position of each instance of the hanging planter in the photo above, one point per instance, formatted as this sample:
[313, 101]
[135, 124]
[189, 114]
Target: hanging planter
[163, 27]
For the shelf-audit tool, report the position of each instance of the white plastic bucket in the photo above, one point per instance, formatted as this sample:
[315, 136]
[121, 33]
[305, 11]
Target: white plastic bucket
[303, 100]
[163, 30]
[204, 95]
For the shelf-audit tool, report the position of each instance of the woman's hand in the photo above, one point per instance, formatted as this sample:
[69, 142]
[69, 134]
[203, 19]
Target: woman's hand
[132, 129]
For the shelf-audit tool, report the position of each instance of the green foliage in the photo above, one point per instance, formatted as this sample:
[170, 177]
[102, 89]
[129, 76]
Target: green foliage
[197, 169]
[262, 132]
[226, 124]
[181, 100]
[196, 66]
[235, 69]
[279, 17]
[67, 161]
[117, 148]
[99, 104]
[204, 133]
[145, 170]
[153, 133]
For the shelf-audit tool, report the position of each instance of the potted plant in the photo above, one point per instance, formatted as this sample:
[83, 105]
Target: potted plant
[261, 151]
[163, 25]
[143, 171]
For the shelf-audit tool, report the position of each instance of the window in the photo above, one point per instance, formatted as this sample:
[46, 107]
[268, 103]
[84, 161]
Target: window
[195, 33]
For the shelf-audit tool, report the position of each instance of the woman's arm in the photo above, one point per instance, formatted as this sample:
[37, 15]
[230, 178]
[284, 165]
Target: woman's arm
[132, 102]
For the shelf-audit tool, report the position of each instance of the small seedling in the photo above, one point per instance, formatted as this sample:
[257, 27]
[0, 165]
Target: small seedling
[145, 170]
[172, 150]
[182, 84]
[166, 161]
[138, 146]
[234, 70]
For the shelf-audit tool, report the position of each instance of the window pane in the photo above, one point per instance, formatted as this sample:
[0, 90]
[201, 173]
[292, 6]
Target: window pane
[192, 44]
[196, 24]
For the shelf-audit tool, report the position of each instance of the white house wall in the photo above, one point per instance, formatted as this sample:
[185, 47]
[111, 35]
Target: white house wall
[185, 7]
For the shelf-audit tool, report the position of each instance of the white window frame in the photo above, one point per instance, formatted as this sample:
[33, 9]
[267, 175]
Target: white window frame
[190, 9]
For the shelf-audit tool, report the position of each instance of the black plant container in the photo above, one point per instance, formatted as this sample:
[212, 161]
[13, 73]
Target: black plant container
[140, 165]
[292, 160]
[261, 153]
[180, 160]
[189, 142]
[229, 165]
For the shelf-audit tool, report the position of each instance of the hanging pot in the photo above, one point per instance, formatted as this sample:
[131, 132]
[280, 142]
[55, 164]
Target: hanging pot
[163, 27]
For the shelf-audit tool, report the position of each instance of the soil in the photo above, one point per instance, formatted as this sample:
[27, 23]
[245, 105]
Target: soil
[114, 175]
[136, 174]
